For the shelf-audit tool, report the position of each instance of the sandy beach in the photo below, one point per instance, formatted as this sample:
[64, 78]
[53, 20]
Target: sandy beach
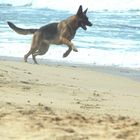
[55, 102]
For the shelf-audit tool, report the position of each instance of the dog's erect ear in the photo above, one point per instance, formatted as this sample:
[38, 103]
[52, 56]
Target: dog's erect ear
[80, 11]
[85, 11]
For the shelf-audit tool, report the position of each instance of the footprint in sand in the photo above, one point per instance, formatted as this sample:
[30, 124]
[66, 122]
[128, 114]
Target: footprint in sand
[26, 88]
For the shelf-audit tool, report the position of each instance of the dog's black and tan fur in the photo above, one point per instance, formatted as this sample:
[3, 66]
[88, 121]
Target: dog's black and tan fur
[54, 33]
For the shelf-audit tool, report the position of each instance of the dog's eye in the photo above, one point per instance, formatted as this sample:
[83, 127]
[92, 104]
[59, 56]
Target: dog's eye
[85, 17]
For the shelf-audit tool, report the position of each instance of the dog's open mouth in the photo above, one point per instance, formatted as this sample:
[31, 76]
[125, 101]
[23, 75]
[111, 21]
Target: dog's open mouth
[83, 26]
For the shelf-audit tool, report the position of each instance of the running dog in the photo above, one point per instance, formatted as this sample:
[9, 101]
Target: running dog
[54, 33]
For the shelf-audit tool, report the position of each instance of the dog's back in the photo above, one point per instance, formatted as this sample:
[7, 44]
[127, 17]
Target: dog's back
[49, 31]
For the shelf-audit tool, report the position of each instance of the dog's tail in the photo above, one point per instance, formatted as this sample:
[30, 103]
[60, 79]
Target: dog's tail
[20, 30]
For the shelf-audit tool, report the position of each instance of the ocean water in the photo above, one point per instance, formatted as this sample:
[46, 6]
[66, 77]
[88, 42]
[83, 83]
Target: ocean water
[113, 40]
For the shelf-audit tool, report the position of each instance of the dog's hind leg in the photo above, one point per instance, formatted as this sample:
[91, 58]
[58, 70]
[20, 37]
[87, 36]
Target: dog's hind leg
[34, 59]
[41, 51]
[32, 50]
[34, 47]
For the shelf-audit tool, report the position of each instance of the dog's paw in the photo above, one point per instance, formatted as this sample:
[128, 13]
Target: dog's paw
[75, 50]
[25, 59]
[65, 55]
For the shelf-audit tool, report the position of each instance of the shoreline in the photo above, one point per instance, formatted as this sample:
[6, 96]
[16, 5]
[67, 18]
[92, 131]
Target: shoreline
[131, 73]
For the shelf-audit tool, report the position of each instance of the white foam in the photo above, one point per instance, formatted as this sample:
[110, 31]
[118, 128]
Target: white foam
[72, 5]
[89, 56]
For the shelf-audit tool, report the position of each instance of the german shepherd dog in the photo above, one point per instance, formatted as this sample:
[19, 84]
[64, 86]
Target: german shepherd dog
[54, 33]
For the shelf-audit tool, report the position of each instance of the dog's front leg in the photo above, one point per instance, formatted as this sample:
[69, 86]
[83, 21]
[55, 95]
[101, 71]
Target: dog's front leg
[67, 52]
[68, 43]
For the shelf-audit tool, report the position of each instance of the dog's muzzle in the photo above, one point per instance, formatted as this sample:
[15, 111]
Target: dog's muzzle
[83, 25]
[89, 24]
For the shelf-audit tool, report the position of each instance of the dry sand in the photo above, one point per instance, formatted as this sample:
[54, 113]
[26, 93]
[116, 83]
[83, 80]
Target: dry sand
[40, 102]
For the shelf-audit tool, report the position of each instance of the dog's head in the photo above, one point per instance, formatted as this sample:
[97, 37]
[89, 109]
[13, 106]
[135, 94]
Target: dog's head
[82, 18]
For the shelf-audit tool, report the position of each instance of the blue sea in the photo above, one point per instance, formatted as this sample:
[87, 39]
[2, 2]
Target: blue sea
[113, 40]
